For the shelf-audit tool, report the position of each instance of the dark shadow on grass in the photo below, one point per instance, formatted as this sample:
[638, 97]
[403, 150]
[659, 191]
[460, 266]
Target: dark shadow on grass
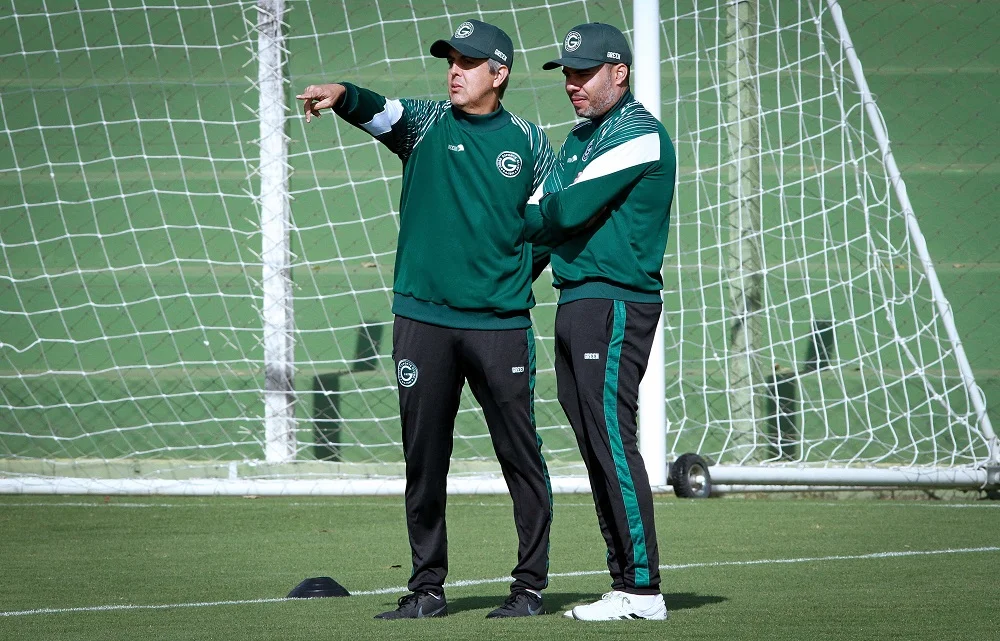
[559, 602]
[691, 600]
[461, 604]
[555, 602]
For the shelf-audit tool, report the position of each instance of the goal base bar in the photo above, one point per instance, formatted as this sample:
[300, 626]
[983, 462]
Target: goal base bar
[262, 487]
[968, 478]
[723, 477]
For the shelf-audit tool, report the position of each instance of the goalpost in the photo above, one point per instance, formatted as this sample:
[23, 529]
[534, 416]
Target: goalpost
[195, 288]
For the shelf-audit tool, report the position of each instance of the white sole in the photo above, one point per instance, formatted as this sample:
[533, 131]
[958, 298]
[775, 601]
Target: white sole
[569, 614]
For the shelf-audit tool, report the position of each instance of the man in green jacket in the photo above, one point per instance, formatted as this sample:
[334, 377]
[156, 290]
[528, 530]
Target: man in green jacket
[605, 210]
[462, 291]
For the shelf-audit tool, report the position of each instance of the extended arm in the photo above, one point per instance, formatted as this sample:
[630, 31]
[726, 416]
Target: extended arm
[398, 124]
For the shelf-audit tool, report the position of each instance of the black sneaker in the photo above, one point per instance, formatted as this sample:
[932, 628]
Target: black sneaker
[520, 603]
[418, 605]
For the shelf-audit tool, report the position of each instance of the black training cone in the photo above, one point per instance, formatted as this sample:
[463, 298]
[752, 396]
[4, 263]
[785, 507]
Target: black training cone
[317, 587]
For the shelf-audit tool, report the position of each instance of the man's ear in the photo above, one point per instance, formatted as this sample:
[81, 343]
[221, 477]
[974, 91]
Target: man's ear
[502, 73]
[619, 74]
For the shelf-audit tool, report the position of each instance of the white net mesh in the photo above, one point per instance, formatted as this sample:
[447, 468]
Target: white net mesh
[130, 239]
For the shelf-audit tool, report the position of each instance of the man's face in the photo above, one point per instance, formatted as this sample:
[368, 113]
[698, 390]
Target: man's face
[470, 82]
[592, 91]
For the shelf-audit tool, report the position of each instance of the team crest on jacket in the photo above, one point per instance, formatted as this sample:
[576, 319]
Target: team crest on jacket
[572, 41]
[509, 163]
[586, 152]
[406, 372]
[464, 30]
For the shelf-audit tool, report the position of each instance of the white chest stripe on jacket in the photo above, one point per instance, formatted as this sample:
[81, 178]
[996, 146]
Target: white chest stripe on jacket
[638, 151]
[384, 120]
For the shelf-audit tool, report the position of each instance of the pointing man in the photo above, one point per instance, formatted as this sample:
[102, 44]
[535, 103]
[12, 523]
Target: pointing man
[462, 291]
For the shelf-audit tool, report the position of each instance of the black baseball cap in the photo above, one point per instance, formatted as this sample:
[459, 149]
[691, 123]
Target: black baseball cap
[477, 39]
[592, 44]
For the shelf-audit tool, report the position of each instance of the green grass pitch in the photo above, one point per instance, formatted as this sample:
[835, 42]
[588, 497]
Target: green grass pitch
[733, 569]
[81, 569]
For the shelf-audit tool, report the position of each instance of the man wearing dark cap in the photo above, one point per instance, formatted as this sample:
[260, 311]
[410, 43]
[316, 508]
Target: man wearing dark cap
[462, 291]
[604, 210]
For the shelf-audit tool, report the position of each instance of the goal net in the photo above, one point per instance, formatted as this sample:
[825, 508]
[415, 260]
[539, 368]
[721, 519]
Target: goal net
[195, 287]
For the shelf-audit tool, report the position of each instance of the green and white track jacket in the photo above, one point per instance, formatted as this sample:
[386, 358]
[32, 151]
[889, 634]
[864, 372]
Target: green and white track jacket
[461, 259]
[605, 208]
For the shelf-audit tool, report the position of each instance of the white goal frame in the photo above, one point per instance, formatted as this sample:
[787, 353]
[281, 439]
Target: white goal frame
[274, 202]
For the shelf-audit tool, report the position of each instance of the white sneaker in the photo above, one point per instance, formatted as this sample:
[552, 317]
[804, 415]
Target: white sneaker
[621, 605]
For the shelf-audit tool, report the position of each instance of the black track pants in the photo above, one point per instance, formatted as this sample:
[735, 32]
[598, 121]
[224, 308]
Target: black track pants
[602, 348]
[432, 364]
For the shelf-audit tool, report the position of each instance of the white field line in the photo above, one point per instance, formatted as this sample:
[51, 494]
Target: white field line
[506, 579]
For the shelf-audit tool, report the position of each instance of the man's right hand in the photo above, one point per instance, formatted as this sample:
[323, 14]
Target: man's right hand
[317, 97]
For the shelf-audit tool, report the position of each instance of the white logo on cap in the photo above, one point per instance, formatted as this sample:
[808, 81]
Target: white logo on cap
[509, 163]
[572, 41]
[500, 54]
[464, 30]
[614, 55]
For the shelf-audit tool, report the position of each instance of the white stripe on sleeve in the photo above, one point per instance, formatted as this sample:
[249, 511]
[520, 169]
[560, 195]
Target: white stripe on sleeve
[384, 120]
[638, 151]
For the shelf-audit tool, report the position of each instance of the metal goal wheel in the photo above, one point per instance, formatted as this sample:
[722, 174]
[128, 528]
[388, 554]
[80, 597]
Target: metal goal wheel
[690, 478]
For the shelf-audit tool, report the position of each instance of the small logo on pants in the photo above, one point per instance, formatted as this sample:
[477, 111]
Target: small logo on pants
[591, 356]
[406, 372]
[517, 370]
